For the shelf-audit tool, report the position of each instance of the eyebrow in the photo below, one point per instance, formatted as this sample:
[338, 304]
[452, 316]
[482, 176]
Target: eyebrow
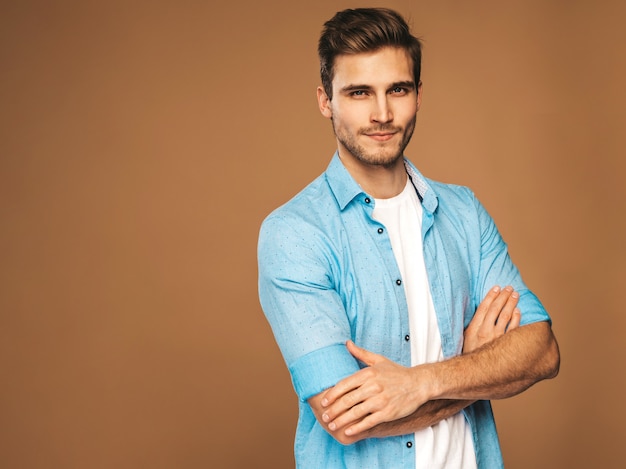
[404, 84]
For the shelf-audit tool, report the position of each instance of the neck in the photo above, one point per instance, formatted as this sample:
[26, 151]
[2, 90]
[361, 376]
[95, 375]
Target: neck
[381, 182]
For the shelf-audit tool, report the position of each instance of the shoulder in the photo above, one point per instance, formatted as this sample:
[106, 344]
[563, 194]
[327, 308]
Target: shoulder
[444, 189]
[302, 224]
[304, 207]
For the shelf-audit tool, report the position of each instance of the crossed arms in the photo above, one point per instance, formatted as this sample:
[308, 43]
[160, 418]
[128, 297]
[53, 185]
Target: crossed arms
[499, 360]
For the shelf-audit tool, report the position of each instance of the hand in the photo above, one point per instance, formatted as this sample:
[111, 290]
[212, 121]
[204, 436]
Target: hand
[496, 315]
[382, 392]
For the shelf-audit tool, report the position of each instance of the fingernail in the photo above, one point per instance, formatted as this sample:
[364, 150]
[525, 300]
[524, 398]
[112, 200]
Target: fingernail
[332, 426]
[324, 402]
[508, 288]
[515, 295]
[496, 289]
[349, 431]
[325, 417]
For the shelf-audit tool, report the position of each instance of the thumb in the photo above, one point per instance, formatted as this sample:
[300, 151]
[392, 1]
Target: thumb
[367, 357]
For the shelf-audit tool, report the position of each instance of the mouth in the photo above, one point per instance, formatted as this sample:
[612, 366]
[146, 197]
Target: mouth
[381, 136]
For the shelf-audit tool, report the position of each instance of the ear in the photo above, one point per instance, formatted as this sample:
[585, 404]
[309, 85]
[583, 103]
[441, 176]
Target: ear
[419, 95]
[323, 102]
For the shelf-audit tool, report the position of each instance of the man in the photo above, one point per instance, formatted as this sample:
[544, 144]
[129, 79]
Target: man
[382, 286]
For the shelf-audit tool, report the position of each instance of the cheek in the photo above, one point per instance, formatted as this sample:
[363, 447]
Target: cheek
[350, 119]
[407, 113]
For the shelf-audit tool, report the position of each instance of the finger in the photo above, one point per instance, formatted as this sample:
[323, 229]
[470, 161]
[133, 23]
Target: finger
[496, 306]
[515, 320]
[502, 323]
[349, 417]
[353, 407]
[506, 314]
[342, 388]
[342, 405]
[365, 424]
[367, 357]
[484, 305]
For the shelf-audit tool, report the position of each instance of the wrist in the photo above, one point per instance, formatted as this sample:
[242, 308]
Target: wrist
[438, 380]
[426, 382]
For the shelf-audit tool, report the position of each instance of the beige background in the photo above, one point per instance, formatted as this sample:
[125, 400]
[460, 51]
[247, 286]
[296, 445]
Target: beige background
[141, 145]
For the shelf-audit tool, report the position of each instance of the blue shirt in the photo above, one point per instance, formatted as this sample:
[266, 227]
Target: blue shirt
[327, 274]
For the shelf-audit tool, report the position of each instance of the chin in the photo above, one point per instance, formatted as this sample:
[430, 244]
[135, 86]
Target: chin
[382, 159]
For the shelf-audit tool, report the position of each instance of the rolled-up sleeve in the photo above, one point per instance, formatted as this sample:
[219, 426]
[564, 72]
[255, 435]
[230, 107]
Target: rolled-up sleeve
[497, 268]
[300, 301]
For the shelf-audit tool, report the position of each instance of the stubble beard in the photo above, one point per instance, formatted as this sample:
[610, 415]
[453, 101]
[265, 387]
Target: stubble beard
[385, 156]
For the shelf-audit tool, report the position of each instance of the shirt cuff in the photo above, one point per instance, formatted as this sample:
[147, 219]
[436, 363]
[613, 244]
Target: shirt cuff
[321, 369]
[532, 309]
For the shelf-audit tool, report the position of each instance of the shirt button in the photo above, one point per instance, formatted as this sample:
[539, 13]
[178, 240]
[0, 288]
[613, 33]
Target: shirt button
[407, 337]
[367, 200]
[398, 282]
[409, 444]
[380, 230]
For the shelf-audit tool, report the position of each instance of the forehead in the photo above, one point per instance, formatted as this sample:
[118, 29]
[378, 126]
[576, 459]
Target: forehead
[378, 68]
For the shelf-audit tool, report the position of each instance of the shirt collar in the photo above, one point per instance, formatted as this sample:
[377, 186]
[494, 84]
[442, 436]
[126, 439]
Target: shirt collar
[342, 184]
[425, 192]
[345, 188]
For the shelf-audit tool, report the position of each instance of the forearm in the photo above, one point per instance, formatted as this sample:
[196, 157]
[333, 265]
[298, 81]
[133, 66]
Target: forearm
[425, 416]
[384, 392]
[499, 369]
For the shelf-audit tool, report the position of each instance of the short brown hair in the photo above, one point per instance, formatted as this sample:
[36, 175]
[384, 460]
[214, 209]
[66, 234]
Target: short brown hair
[360, 30]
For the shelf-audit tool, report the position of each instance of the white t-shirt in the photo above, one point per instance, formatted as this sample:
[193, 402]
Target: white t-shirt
[448, 444]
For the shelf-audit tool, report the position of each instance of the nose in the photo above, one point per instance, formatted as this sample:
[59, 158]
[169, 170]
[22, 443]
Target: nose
[382, 111]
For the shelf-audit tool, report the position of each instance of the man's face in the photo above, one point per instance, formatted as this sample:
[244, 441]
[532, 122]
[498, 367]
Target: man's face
[374, 105]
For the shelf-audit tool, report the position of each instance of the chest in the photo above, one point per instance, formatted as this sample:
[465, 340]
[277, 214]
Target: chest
[369, 281]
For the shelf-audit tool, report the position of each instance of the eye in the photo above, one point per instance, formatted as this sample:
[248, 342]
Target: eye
[399, 90]
[358, 93]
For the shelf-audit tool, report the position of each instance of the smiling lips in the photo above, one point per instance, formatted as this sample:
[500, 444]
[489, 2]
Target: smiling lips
[381, 136]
